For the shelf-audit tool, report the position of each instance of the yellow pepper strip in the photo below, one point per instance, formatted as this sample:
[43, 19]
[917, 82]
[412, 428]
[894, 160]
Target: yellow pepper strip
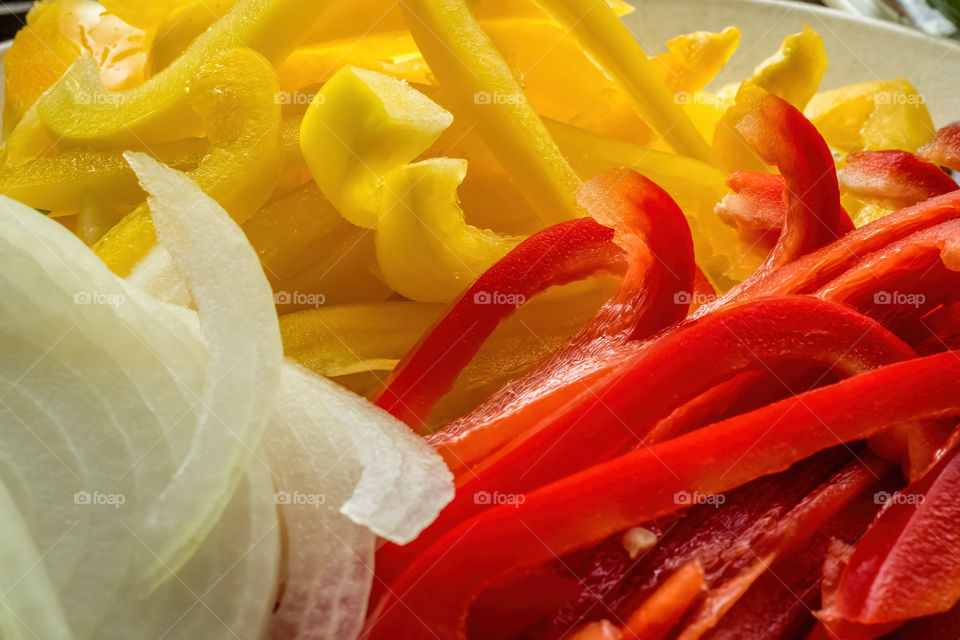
[696, 187]
[885, 114]
[480, 83]
[357, 137]
[58, 184]
[694, 59]
[795, 71]
[425, 249]
[139, 13]
[608, 42]
[311, 255]
[77, 110]
[392, 53]
[361, 126]
[56, 34]
[181, 24]
[235, 98]
[359, 344]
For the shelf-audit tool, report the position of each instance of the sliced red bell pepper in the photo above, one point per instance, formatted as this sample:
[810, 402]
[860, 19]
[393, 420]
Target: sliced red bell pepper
[757, 208]
[647, 237]
[661, 611]
[579, 426]
[809, 273]
[856, 482]
[907, 565]
[944, 149]
[896, 178]
[437, 588]
[782, 136]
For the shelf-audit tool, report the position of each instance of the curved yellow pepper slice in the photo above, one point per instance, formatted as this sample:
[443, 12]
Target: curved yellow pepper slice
[77, 110]
[608, 42]
[56, 34]
[694, 59]
[482, 84]
[235, 97]
[58, 184]
[361, 126]
[358, 137]
[425, 248]
[311, 255]
[696, 187]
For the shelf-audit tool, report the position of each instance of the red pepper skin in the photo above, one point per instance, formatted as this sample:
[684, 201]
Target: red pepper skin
[642, 485]
[795, 543]
[782, 136]
[907, 565]
[757, 208]
[619, 412]
[647, 237]
[813, 271]
[560, 254]
[944, 149]
[654, 295]
[894, 177]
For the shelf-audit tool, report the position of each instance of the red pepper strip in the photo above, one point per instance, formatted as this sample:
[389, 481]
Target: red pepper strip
[718, 536]
[757, 208]
[895, 177]
[661, 272]
[782, 136]
[642, 485]
[651, 237]
[809, 273]
[944, 149]
[907, 565]
[788, 534]
[898, 286]
[560, 254]
[661, 611]
[938, 330]
[943, 626]
[575, 428]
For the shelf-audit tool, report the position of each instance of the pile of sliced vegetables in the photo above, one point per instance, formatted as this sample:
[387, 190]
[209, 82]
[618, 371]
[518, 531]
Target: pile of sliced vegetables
[468, 319]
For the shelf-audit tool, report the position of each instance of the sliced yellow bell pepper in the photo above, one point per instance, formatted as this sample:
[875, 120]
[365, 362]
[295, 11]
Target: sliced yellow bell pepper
[57, 33]
[77, 110]
[358, 137]
[358, 345]
[884, 114]
[180, 25]
[614, 49]
[795, 71]
[58, 184]
[694, 59]
[425, 248]
[361, 126]
[139, 13]
[311, 255]
[235, 97]
[479, 82]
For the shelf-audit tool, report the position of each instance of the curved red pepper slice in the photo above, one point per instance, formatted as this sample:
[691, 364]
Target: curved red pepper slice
[944, 149]
[560, 254]
[568, 432]
[757, 207]
[907, 565]
[654, 295]
[782, 136]
[809, 273]
[895, 177]
[642, 485]
[652, 243]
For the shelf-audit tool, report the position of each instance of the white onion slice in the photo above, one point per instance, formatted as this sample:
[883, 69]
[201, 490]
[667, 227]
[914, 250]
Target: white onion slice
[239, 323]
